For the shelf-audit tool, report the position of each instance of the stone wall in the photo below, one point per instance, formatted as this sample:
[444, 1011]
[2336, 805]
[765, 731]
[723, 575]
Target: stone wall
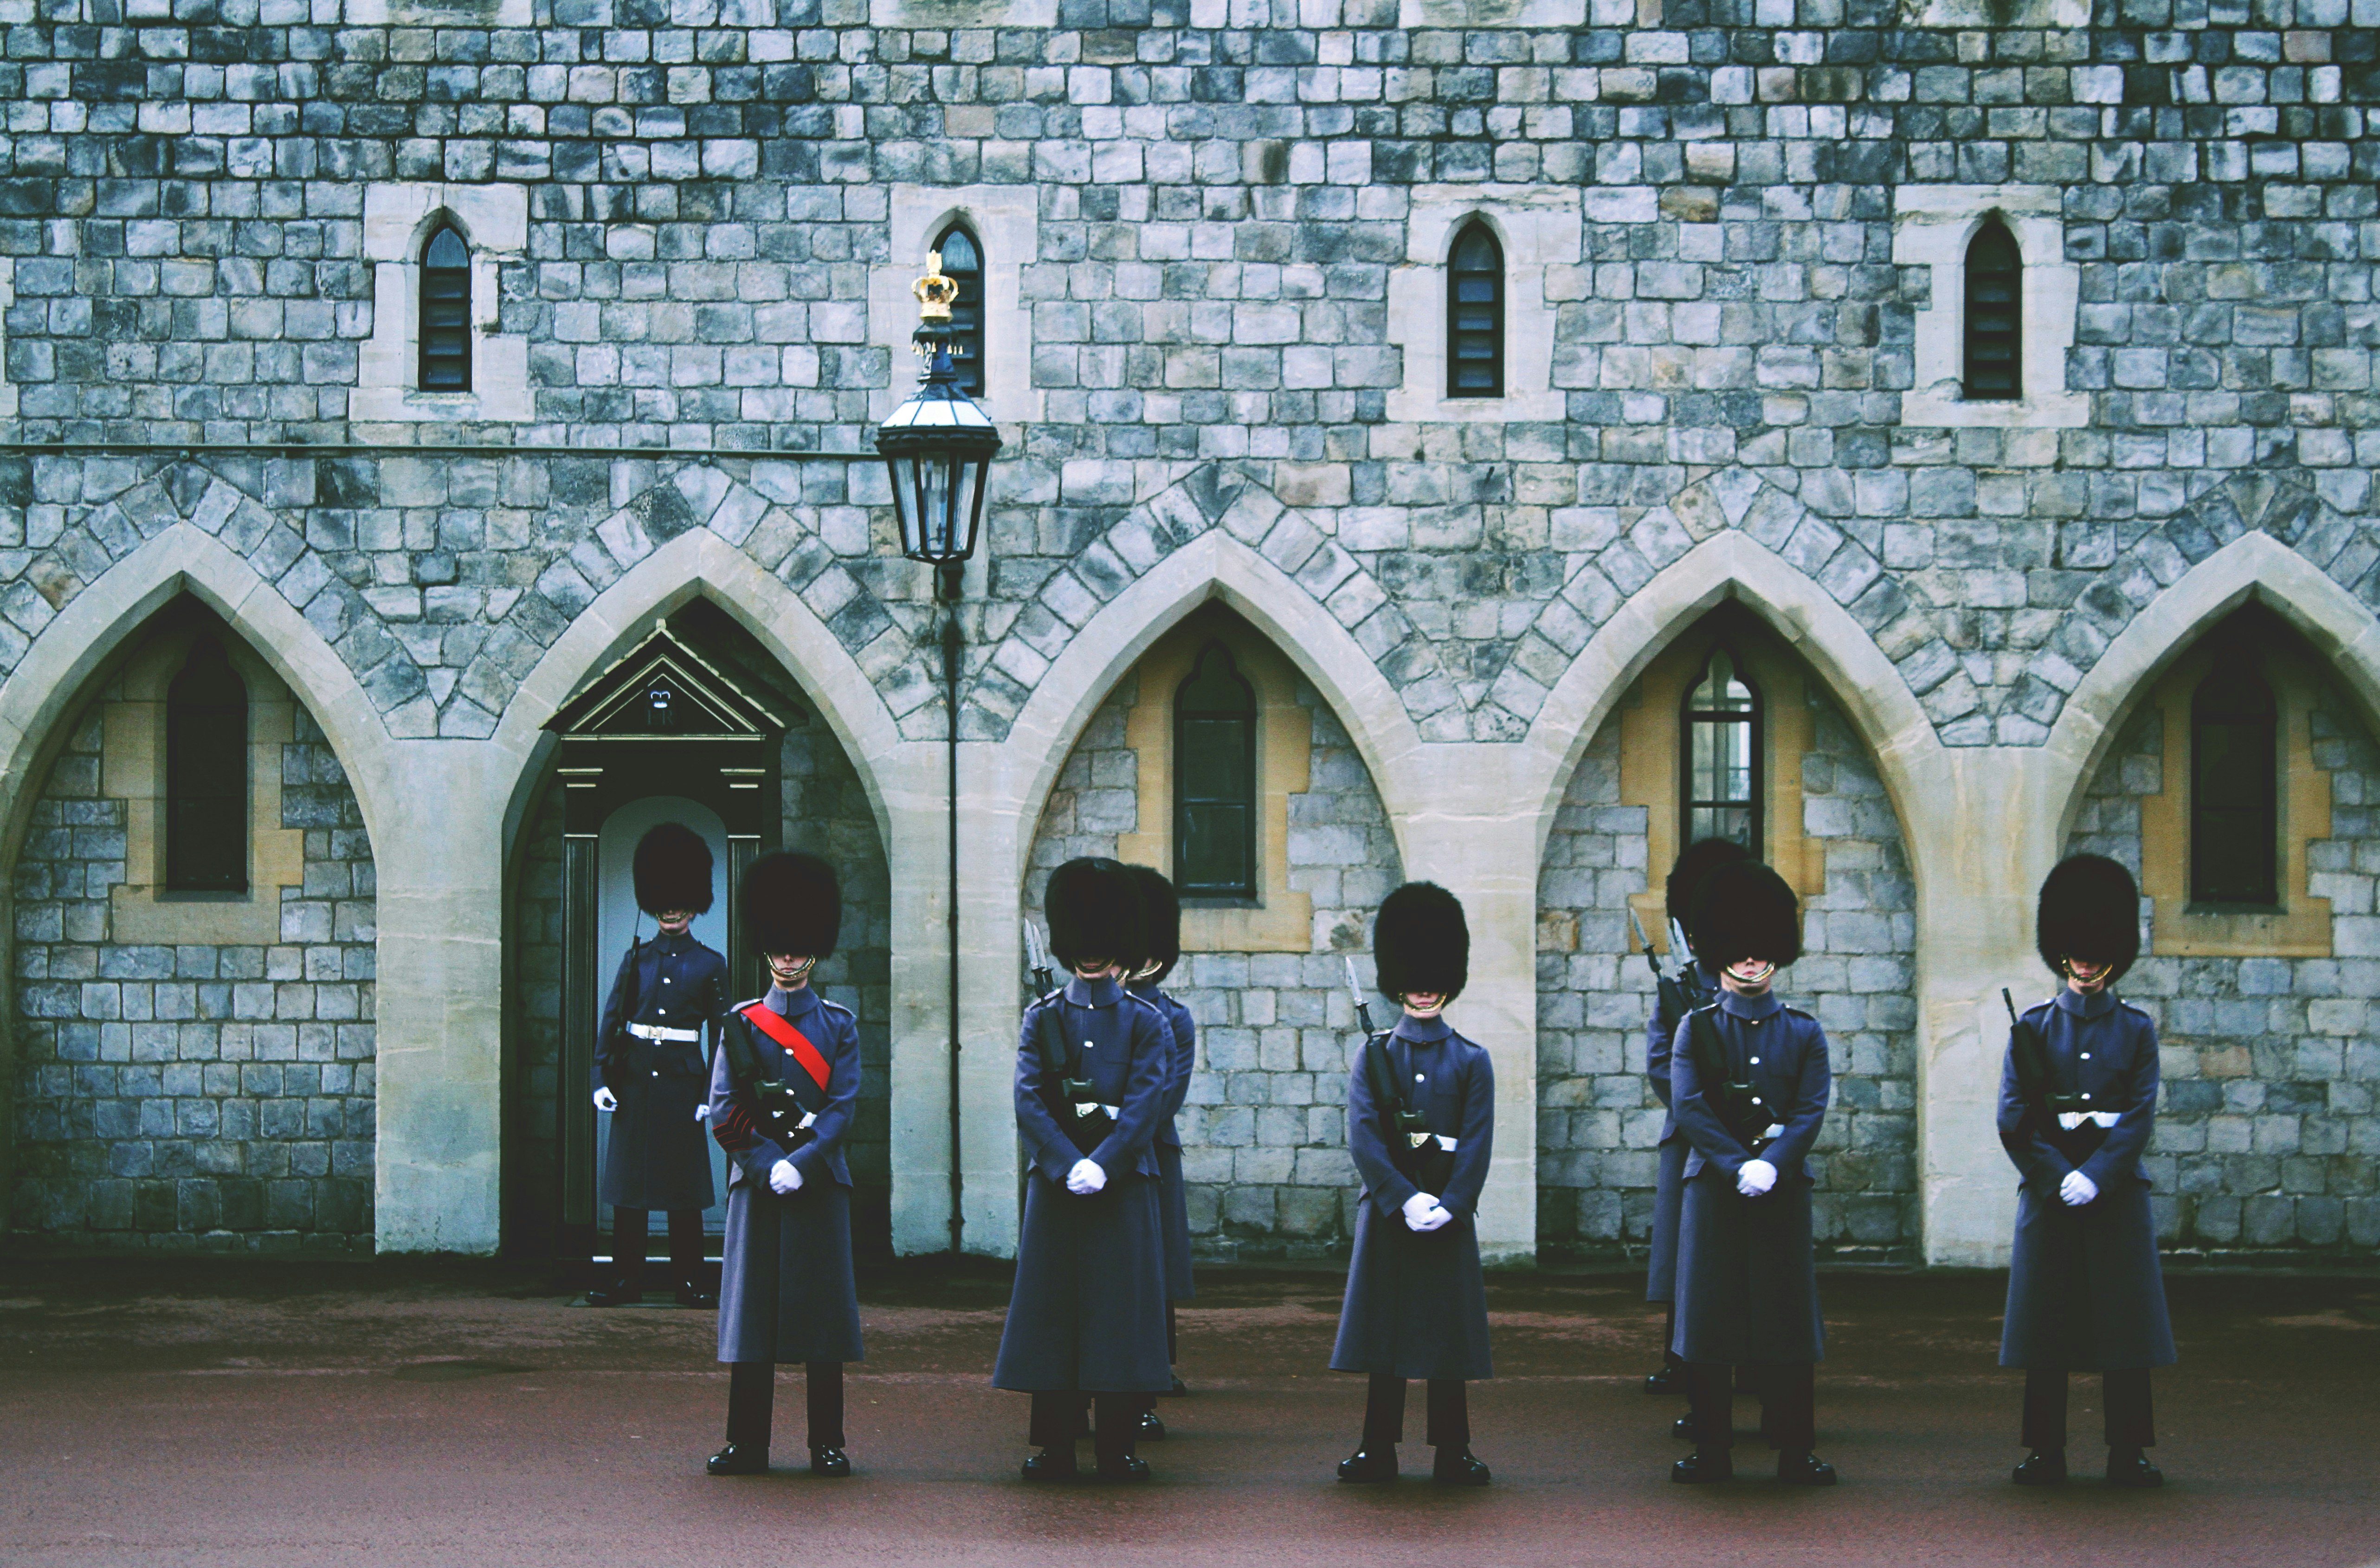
[2269, 1127]
[1598, 1121]
[1264, 1132]
[207, 1096]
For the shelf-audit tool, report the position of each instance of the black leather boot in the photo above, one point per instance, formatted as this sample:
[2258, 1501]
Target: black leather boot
[738, 1459]
[1702, 1466]
[2130, 1467]
[1151, 1427]
[1177, 1391]
[1458, 1467]
[1123, 1468]
[1369, 1464]
[831, 1461]
[619, 1292]
[1665, 1382]
[697, 1297]
[1800, 1467]
[1682, 1428]
[2041, 1468]
[1055, 1463]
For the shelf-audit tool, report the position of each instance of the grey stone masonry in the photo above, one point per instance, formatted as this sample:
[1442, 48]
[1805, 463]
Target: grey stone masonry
[1264, 1134]
[203, 1096]
[1598, 1121]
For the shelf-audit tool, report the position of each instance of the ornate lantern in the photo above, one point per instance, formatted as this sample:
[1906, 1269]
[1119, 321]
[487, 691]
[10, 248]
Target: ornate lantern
[939, 445]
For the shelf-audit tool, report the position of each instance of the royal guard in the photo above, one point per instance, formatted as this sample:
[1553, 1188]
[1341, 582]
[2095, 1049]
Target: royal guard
[1750, 1080]
[1094, 1067]
[781, 1097]
[2078, 1103]
[1163, 910]
[1421, 1124]
[1693, 984]
[650, 1071]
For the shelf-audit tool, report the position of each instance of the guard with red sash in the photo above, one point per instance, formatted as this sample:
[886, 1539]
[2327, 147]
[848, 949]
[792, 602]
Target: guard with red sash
[781, 1097]
[1751, 1080]
[1093, 1067]
[1163, 910]
[650, 1071]
[2078, 1103]
[1421, 1127]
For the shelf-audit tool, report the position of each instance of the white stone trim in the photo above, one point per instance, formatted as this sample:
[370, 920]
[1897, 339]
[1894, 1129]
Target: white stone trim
[1006, 220]
[440, 13]
[1931, 227]
[398, 219]
[1538, 227]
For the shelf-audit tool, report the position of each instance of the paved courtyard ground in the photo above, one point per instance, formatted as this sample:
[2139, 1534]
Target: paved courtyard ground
[163, 1411]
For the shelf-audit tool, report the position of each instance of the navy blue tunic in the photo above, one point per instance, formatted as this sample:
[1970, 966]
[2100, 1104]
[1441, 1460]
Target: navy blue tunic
[786, 1286]
[657, 1156]
[1747, 1274]
[1669, 1176]
[1415, 1304]
[2085, 1293]
[1174, 1196]
[1087, 1311]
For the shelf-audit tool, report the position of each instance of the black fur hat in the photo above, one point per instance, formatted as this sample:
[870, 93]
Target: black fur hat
[672, 869]
[1420, 942]
[2090, 908]
[1095, 912]
[791, 904]
[1697, 860]
[1162, 912]
[1744, 909]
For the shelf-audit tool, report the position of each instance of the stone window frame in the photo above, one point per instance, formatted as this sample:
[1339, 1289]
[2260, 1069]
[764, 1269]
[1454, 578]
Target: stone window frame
[1932, 227]
[1006, 223]
[1538, 227]
[1282, 919]
[399, 218]
[2302, 929]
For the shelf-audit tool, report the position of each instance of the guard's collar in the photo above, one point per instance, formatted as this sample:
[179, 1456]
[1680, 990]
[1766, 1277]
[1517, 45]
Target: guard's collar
[2099, 1002]
[1094, 993]
[1762, 1007]
[673, 941]
[785, 1004]
[1147, 990]
[1421, 1031]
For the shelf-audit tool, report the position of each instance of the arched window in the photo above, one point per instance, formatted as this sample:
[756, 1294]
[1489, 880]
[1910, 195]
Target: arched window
[1215, 780]
[445, 313]
[1994, 315]
[1719, 744]
[963, 265]
[1474, 315]
[2235, 827]
[206, 775]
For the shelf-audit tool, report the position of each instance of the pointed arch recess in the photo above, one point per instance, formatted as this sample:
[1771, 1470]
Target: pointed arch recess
[2333, 621]
[1213, 566]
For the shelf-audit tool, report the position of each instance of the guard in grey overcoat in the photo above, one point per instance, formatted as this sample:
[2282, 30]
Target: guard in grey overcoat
[1415, 1304]
[650, 1071]
[1163, 911]
[1747, 1276]
[1093, 1063]
[1672, 1000]
[2078, 1103]
[783, 1092]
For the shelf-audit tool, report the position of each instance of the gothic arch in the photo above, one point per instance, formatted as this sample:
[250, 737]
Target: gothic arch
[1213, 566]
[2253, 566]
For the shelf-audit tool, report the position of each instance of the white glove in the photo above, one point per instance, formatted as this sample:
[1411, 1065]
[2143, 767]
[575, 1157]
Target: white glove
[1438, 1215]
[784, 1178]
[606, 1101]
[1755, 1177]
[1417, 1210]
[1086, 1178]
[702, 1113]
[2077, 1189]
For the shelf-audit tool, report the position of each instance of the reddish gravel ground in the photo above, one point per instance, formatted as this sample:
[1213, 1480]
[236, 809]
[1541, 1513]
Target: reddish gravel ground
[175, 1411]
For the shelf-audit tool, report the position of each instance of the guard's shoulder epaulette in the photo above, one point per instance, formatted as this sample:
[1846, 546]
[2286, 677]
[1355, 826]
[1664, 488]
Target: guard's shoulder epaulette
[1797, 1012]
[838, 1007]
[762, 1001]
[2128, 1007]
[1705, 1007]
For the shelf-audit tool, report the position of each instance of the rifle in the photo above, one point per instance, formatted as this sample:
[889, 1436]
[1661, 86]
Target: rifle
[2030, 1053]
[1039, 960]
[1409, 1134]
[1683, 992]
[1073, 1099]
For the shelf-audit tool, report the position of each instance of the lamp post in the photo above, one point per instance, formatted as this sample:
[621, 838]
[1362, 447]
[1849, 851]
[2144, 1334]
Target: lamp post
[938, 447]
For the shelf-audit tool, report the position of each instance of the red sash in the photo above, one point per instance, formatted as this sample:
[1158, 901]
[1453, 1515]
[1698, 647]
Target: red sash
[763, 1018]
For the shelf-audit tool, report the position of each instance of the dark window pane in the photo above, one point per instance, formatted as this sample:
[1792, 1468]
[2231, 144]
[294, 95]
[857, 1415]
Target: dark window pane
[1215, 780]
[2234, 790]
[206, 776]
[1719, 753]
[1474, 315]
[963, 265]
[1994, 315]
[446, 315]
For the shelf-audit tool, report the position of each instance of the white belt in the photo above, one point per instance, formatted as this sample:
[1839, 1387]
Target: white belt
[1418, 1139]
[655, 1031]
[1085, 1107]
[2070, 1120]
[1773, 1131]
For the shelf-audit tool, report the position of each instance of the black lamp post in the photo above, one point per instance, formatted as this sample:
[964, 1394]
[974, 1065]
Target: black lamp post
[938, 447]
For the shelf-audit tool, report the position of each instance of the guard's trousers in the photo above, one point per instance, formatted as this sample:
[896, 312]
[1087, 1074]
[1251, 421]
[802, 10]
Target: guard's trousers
[1789, 1401]
[752, 1397]
[1057, 1421]
[2128, 1421]
[629, 1229]
[1384, 1413]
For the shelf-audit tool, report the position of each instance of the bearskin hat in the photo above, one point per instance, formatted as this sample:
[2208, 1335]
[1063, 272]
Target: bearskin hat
[791, 905]
[1697, 860]
[2090, 908]
[1744, 909]
[672, 869]
[1162, 911]
[1095, 912]
[1420, 942]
